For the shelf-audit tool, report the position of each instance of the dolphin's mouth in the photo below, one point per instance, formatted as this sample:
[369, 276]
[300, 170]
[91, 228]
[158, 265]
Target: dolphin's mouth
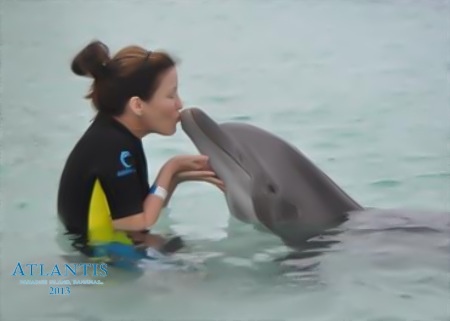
[193, 119]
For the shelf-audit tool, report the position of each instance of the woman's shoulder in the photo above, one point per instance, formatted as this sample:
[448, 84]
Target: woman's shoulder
[105, 135]
[104, 140]
[99, 144]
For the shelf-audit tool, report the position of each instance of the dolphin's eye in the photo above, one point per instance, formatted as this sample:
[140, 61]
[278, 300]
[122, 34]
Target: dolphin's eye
[271, 188]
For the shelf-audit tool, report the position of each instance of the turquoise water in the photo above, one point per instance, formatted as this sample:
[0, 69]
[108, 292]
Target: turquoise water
[361, 87]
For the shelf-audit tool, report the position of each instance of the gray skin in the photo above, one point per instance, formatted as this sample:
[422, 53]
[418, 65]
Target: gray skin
[269, 183]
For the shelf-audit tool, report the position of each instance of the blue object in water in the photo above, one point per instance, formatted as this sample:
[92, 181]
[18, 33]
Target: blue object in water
[125, 256]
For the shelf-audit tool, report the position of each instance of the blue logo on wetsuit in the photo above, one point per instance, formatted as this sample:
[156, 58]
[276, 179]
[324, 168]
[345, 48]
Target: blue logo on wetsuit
[128, 167]
[123, 155]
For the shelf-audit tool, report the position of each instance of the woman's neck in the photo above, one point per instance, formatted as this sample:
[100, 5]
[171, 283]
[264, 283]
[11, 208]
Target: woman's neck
[132, 124]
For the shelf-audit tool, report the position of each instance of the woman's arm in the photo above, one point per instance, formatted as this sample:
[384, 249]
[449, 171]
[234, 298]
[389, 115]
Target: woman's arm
[172, 186]
[171, 174]
[152, 204]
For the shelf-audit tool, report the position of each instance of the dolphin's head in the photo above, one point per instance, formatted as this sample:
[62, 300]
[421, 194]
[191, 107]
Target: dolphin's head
[252, 194]
[226, 159]
[268, 183]
[279, 207]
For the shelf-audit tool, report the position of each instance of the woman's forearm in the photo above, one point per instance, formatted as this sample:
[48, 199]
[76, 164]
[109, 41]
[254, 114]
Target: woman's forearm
[154, 204]
[172, 186]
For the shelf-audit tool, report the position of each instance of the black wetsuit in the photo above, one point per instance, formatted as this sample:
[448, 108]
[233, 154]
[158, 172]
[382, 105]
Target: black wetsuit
[104, 178]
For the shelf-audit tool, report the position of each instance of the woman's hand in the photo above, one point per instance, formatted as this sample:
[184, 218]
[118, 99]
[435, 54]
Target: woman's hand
[202, 176]
[194, 168]
[183, 163]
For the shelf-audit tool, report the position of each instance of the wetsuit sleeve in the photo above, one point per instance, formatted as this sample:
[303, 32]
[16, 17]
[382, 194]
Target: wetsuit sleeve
[120, 179]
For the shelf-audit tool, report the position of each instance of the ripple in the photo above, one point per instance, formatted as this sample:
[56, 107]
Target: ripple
[387, 319]
[386, 183]
[22, 205]
[420, 158]
[407, 229]
[405, 296]
[199, 257]
[221, 99]
[434, 175]
[262, 258]
[300, 279]
[170, 150]
[238, 262]
[347, 134]
[241, 118]
[326, 145]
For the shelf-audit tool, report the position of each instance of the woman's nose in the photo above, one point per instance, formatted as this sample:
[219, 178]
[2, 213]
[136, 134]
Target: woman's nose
[178, 104]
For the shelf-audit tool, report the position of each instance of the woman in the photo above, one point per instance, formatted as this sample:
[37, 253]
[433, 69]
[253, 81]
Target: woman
[104, 200]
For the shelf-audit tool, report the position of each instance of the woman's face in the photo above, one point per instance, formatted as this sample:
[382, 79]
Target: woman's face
[162, 112]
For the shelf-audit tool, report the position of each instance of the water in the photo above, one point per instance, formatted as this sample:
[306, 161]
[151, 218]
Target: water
[361, 87]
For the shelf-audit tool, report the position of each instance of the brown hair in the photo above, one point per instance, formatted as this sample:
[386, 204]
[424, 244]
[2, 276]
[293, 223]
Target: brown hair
[133, 71]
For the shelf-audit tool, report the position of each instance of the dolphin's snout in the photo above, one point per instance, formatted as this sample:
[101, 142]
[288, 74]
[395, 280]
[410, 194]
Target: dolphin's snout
[198, 125]
[190, 114]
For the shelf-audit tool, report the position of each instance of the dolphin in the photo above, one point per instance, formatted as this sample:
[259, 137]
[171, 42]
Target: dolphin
[269, 182]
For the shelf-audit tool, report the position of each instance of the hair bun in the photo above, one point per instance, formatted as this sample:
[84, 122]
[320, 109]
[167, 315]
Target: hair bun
[92, 61]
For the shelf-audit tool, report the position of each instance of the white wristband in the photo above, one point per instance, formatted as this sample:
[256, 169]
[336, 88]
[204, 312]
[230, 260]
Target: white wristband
[159, 191]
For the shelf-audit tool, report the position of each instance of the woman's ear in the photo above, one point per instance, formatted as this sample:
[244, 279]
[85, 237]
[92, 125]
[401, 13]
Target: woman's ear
[137, 106]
